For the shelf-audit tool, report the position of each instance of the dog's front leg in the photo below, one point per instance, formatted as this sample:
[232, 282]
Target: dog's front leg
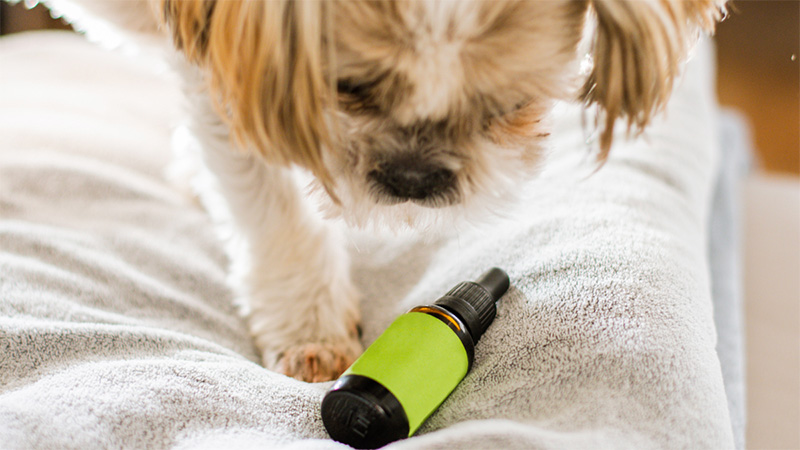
[289, 265]
[292, 270]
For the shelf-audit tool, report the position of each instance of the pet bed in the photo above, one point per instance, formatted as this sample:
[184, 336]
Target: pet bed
[117, 328]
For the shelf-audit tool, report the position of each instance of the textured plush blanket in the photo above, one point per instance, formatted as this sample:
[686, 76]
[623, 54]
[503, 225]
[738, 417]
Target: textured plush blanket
[117, 328]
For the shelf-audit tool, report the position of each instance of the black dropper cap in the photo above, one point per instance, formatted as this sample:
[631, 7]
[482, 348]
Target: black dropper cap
[474, 301]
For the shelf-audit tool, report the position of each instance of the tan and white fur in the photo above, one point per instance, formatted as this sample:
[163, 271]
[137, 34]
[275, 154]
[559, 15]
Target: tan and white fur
[409, 113]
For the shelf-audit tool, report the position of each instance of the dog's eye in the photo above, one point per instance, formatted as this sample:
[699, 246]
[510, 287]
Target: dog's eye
[499, 111]
[515, 108]
[357, 97]
[351, 88]
[504, 114]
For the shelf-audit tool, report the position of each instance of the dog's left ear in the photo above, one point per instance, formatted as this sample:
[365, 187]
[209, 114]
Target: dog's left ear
[638, 50]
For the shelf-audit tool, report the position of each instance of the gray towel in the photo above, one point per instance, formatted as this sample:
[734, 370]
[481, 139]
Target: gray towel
[117, 329]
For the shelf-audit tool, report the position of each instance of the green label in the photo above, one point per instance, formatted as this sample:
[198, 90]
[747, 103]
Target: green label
[419, 359]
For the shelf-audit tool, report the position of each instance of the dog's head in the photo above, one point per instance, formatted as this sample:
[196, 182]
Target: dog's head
[412, 107]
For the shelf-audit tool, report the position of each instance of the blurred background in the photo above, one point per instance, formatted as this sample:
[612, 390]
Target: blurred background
[758, 55]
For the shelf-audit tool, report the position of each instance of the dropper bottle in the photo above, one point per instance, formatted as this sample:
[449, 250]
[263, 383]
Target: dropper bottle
[413, 366]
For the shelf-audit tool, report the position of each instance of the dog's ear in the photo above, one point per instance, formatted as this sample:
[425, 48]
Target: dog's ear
[264, 62]
[638, 50]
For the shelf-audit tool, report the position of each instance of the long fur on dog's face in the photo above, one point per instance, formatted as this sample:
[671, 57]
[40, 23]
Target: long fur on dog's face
[407, 109]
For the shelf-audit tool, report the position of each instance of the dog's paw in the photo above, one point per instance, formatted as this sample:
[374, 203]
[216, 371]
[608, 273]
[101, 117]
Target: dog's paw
[301, 305]
[316, 362]
[308, 337]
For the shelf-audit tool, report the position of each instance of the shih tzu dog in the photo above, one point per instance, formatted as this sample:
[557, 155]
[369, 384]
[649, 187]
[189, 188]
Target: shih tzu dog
[405, 113]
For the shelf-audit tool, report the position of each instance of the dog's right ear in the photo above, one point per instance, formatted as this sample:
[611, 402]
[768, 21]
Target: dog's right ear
[264, 60]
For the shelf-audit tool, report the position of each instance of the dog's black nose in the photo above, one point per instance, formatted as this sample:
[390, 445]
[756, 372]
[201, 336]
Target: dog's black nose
[413, 180]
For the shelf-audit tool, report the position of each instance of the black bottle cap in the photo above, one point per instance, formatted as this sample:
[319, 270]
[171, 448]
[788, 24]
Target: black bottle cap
[495, 281]
[474, 302]
[360, 412]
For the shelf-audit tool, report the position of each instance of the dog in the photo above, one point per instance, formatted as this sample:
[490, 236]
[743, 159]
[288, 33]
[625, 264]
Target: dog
[406, 114]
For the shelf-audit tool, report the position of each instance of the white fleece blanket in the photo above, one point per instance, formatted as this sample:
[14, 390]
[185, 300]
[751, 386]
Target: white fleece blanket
[117, 329]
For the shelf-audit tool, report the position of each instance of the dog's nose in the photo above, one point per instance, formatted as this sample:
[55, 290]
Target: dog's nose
[413, 180]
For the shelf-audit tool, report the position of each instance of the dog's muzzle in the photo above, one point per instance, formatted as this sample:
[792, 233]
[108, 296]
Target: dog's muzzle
[411, 180]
